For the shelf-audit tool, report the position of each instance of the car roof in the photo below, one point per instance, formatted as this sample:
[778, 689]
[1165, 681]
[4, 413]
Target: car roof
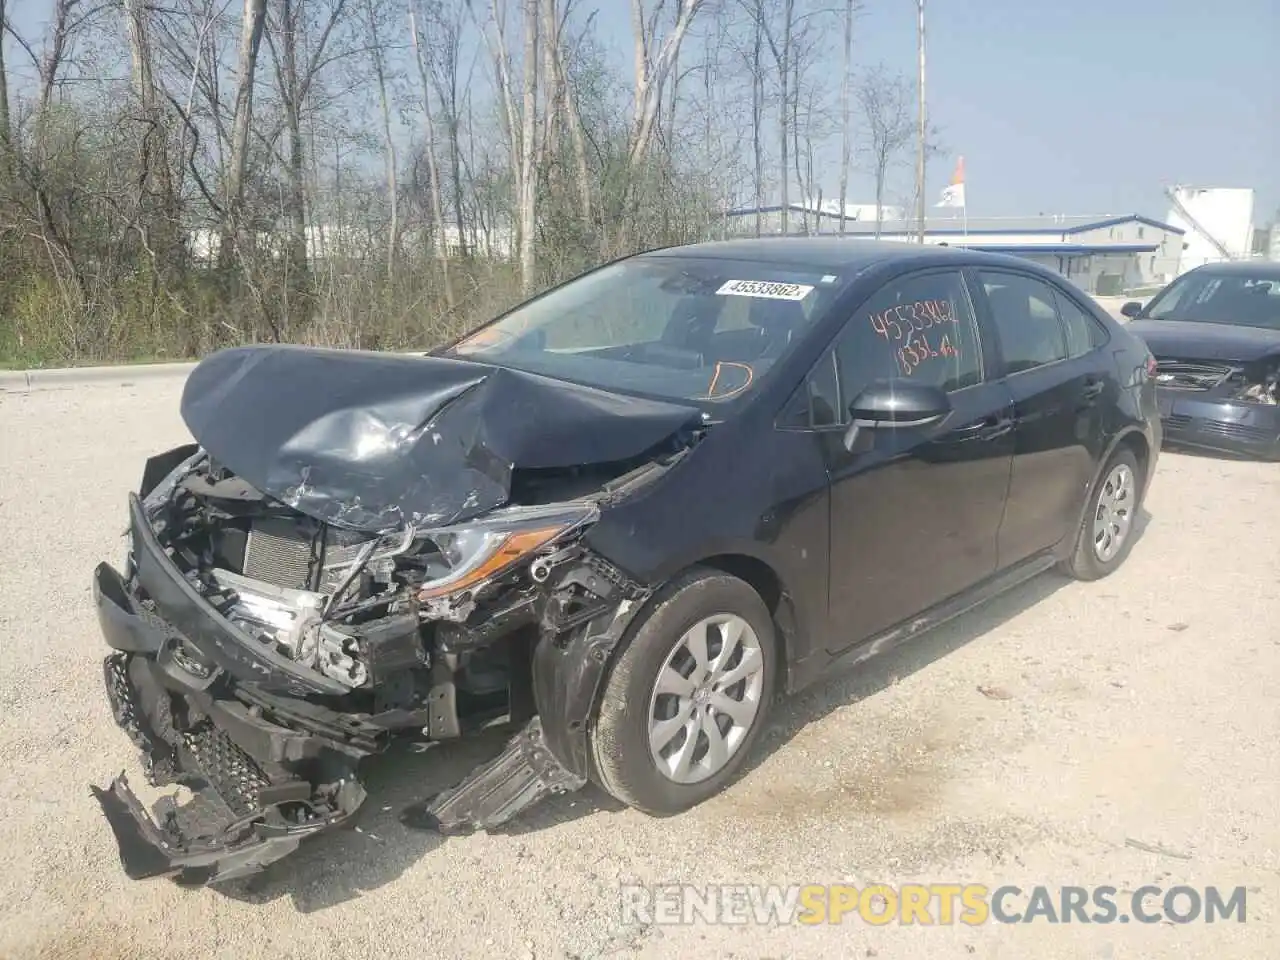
[842, 253]
[1257, 269]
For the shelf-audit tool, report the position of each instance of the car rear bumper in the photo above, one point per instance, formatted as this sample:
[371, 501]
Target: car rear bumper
[1230, 426]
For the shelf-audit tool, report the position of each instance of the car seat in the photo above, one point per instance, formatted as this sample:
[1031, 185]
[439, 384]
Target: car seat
[1021, 337]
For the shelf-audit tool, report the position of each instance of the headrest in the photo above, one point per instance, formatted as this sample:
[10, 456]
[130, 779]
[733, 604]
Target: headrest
[776, 314]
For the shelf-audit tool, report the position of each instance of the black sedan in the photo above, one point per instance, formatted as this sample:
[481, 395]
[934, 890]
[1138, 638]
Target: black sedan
[1215, 333]
[621, 518]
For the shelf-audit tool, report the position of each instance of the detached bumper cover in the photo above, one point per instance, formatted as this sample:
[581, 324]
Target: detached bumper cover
[242, 814]
[1232, 426]
[236, 850]
[265, 768]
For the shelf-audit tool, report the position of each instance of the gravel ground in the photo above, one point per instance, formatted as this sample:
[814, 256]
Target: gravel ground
[1139, 708]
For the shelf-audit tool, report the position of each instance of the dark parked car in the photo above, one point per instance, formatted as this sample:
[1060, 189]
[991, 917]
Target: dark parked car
[1215, 334]
[622, 517]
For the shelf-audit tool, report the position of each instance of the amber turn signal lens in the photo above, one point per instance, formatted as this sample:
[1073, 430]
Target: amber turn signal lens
[515, 546]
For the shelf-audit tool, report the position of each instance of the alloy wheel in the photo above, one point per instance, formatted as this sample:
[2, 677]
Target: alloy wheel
[706, 698]
[1113, 517]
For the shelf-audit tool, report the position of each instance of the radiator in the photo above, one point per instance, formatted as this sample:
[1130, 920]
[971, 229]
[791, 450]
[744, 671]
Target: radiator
[280, 551]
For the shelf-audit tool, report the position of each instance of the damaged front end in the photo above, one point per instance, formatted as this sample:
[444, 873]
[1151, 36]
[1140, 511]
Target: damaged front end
[261, 652]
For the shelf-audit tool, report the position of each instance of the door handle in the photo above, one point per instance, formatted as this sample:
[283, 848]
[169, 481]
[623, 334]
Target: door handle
[986, 428]
[1093, 388]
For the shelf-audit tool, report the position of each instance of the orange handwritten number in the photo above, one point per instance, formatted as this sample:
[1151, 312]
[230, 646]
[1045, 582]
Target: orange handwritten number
[877, 324]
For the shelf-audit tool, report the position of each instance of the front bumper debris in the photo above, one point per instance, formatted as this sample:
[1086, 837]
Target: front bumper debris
[268, 747]
[524, 773]
[1230, 426]
[242, 814]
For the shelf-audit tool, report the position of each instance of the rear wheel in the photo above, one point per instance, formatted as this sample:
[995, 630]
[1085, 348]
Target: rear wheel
[1106, 535]
[687, 698]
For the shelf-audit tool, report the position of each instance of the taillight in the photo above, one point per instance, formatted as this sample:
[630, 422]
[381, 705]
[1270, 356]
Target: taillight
[1151, 366]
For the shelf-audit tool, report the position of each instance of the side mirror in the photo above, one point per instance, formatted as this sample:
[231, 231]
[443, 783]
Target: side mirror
[1131, 309]
[895, 404]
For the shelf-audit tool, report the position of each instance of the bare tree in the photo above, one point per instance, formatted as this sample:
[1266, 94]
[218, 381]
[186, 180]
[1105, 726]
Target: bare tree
[433, 187]
[757, 111]
[885, 100]
[117, 185]
[572, 116]
[782, 60]
[528, 130]
[64, 26]
[845, 126]
[654, 60]
[378, 60]
[252, 24]
[442, 55]
[6, 127]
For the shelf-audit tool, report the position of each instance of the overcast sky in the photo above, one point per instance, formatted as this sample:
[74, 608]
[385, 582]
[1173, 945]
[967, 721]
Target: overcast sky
[1089, 106]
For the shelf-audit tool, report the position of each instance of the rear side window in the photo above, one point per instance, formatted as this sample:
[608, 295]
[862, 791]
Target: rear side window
[1026, 317]
[1084, 333]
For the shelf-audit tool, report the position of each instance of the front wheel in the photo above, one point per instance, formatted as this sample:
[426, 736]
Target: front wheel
[689, 695]
[1106, 535]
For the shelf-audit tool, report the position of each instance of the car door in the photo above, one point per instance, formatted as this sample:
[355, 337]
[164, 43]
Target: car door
[1061, 381]
[914, 509]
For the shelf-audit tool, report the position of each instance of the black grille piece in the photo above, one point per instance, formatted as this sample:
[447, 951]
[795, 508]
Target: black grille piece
[1181, 422]
[157, 755]
[232, 773]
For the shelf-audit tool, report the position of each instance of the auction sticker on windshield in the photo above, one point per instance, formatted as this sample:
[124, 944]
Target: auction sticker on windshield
[764, 288]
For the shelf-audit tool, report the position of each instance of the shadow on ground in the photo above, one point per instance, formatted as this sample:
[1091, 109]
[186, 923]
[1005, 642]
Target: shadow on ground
[334, 868]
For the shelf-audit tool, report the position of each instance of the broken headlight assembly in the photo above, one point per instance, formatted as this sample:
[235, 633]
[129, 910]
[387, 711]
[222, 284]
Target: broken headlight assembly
[461, 558]
[1266, 391]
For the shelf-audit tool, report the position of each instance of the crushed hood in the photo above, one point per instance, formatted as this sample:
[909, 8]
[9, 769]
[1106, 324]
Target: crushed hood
[1189, 340]
[374, 441]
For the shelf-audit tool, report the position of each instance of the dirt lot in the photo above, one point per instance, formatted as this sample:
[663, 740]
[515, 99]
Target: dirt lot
[1142, 708]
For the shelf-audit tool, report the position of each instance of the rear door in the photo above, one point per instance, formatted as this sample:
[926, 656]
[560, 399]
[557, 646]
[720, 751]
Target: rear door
[1062, 380]
[915, 510]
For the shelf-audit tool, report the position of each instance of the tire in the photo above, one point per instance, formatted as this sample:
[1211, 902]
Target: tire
[1088, 561]
[624, 764]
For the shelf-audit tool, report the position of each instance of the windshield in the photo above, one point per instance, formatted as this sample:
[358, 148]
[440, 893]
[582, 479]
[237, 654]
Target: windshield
[1209, 297]
[678, 328]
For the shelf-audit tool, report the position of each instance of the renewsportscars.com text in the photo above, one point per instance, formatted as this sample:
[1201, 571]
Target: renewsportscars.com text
[939, 904]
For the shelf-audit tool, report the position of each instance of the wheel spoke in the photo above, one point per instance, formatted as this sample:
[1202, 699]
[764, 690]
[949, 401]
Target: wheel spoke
[750, 664]
[695, 641]
[664, 731]
[672, 681]
[683, 759]
[742, 712]
[717, 754]
[731, 636]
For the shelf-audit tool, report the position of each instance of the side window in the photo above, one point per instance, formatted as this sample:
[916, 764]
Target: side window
[919, 327]
[816, 402]
[1084, 333]
[1026, 318]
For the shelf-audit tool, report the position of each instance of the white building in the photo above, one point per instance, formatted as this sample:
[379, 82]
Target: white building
[812, 216]
[1218, 222]
[1100, 254]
